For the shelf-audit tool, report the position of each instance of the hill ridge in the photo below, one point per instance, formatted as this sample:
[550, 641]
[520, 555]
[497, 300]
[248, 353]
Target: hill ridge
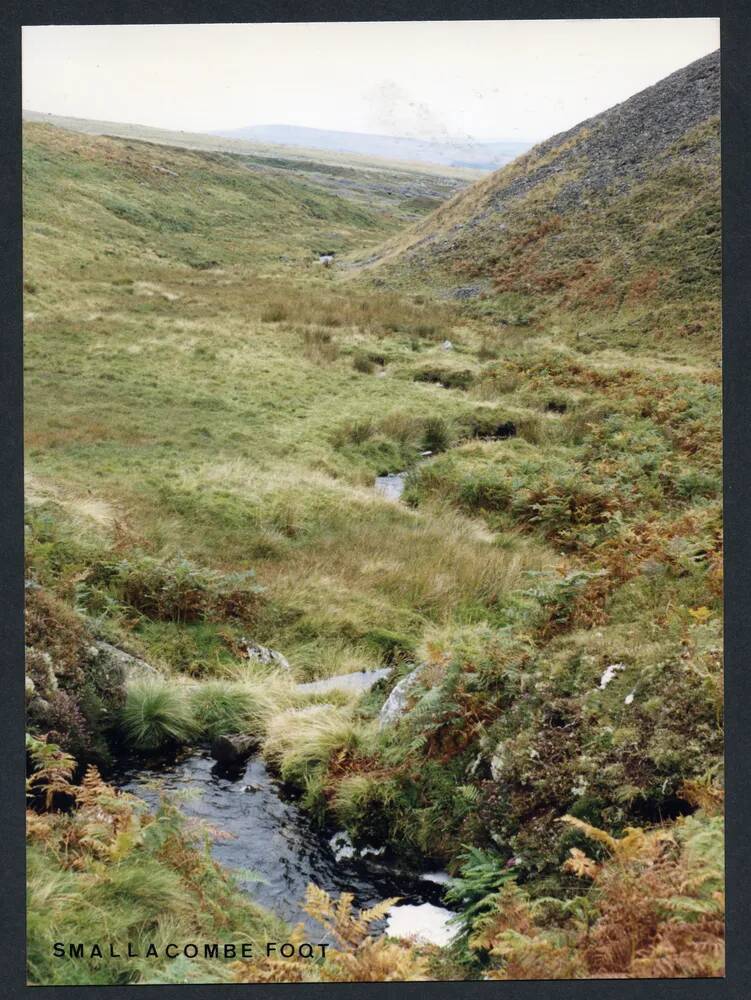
[631, 178]
[450, 152]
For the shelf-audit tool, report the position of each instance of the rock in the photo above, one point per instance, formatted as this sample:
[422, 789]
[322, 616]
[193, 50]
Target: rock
[266, 656]
[233, 749]
[130, 666]
[342, 846]
[609, 674]
[497, 761]
[40, 672]
[466, 292]
[396, 702]
[438, 877]
[447, 346]
[652, 567]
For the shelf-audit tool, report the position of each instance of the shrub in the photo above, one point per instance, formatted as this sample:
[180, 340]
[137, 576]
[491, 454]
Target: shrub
[76, 687]
[474, 891]
[175, 590]
[274, 313]
[157, 714]
[362, 363]
[357, 954]
[654, 910]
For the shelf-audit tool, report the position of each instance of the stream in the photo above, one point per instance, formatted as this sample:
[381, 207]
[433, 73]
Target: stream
[275, 850]
[392, 485]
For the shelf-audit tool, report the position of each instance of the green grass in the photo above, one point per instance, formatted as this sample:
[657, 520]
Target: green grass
[156, 715]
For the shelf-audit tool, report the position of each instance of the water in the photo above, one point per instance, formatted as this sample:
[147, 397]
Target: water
[274, 840]
[392, 485]
[359, 680]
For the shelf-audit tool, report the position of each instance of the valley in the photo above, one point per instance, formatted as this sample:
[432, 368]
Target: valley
[476, 460]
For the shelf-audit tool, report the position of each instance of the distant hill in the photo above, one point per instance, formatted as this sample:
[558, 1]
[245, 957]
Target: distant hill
[619, 216]
[459, 153]
[216, 142]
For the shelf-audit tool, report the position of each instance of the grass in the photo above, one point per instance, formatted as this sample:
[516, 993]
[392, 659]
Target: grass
[156, 715]
[300, 740]
[109, 872]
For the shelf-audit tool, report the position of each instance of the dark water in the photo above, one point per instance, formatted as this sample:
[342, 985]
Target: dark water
[273, 838]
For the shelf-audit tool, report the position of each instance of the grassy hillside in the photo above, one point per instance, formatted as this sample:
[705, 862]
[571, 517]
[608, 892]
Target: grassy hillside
[157, 203]
[204, 142]
[611, 231]
[207, 409]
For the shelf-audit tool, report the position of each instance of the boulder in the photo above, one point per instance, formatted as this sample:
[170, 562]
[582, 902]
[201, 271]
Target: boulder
[266, 656]
[129, 666]
[233, 749]
[396, 703]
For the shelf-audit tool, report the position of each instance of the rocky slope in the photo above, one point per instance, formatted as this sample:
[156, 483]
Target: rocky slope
[619, 214]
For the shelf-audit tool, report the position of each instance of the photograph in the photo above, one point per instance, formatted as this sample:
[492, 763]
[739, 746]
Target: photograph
[373, 501]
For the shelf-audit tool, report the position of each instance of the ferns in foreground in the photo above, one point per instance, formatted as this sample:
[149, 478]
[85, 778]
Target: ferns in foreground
[665, 886]
[357, 955]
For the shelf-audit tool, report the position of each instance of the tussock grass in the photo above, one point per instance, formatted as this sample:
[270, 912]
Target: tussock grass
[220, 707]
[301, 741]
[157, 714]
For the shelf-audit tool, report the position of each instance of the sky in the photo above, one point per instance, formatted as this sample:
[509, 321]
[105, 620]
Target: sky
[442, 80]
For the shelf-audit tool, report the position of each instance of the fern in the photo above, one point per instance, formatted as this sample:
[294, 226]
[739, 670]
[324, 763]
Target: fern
[53, 771]
[476, 891]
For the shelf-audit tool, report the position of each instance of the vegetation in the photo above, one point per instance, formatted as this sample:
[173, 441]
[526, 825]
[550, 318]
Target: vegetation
[104, 869]
[156, 714]
[207, 410]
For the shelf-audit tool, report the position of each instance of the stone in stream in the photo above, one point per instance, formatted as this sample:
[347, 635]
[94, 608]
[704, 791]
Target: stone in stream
[233, 749]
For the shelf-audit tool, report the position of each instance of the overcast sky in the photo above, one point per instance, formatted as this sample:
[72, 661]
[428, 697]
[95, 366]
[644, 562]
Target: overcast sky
[428, 80]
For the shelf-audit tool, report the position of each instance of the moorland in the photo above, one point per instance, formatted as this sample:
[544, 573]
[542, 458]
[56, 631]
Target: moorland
[208, 408]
